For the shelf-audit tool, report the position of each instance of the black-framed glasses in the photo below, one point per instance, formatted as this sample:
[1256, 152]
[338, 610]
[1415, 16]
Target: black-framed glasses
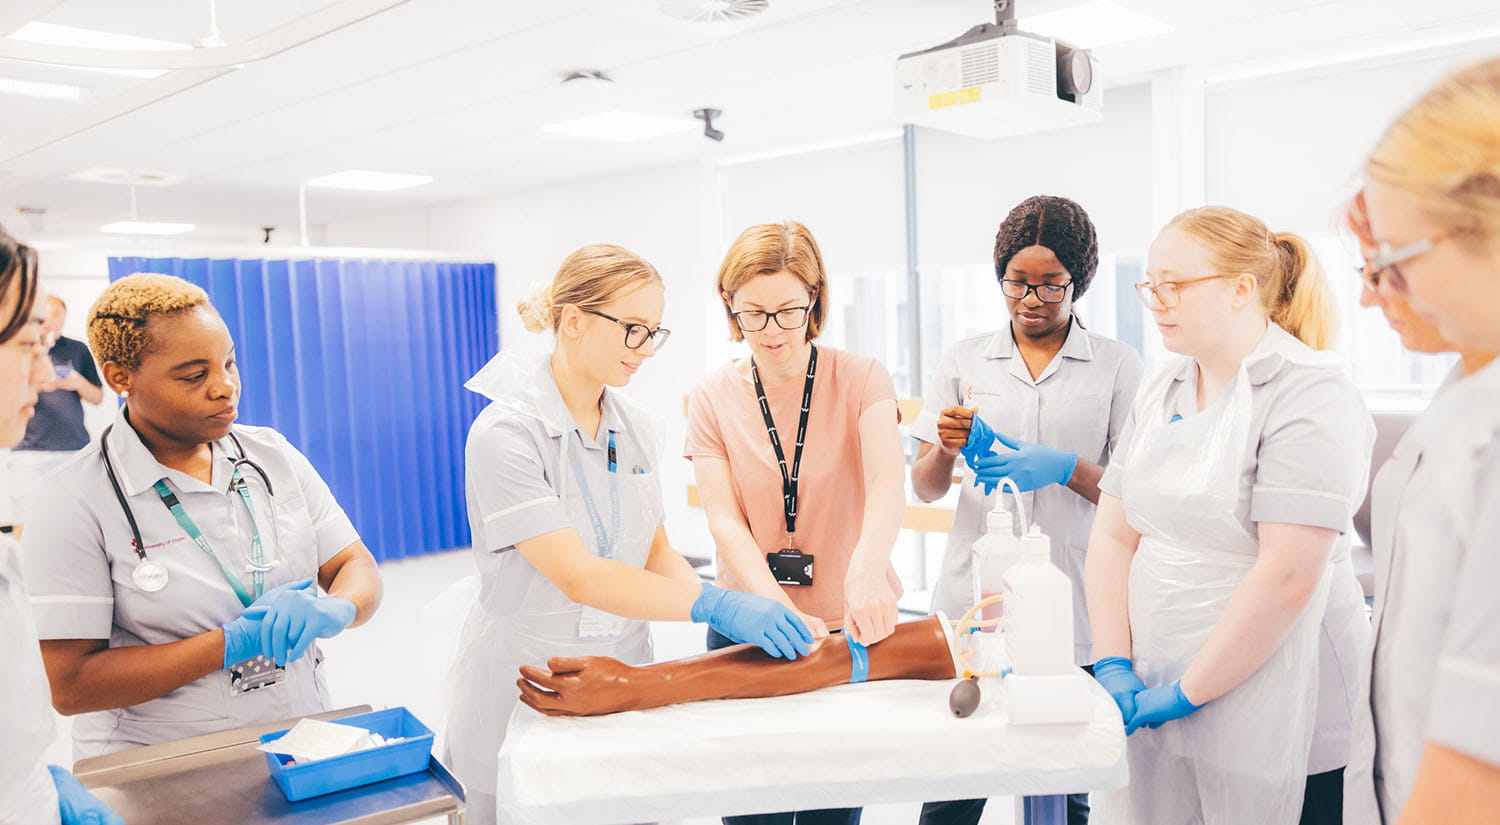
[1169, 293]
[754, 320]
[1046, 293]
[636, 334]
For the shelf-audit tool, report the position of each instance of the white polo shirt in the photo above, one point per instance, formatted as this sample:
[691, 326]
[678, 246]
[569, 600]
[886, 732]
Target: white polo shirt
[79, 562]
[1464, 689]
[1079, 403]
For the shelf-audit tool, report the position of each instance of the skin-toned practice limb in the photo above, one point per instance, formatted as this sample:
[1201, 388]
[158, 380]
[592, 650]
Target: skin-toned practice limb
[596, 685]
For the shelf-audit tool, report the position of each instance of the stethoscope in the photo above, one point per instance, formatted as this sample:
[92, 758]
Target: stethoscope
[151, 575]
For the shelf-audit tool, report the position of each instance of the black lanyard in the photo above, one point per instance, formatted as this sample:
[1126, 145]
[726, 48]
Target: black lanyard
[788, 480]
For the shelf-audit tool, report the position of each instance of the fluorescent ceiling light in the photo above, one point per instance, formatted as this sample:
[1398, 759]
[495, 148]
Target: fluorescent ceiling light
[145, 74]
[39, 88]
[1098, 23]
[52, 34]
[621, 127]
[369, 181]
[146, 228]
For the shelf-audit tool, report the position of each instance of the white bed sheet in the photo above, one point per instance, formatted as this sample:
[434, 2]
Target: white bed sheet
[845, 746]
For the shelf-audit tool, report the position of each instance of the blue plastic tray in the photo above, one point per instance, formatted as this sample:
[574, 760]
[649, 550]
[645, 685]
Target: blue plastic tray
[325, 776]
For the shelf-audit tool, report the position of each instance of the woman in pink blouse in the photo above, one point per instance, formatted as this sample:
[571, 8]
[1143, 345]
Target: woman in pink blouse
[796, 454]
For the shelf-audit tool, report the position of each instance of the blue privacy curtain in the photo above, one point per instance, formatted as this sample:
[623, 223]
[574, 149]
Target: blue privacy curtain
[361, 365]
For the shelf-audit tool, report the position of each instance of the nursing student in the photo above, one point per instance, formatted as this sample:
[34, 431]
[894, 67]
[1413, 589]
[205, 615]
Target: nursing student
[183, 567]
[1218, 572]
[797, 457]
[1432, 200]
[31, 791]
[1406, 512]
[565, 503]
[1056, 394]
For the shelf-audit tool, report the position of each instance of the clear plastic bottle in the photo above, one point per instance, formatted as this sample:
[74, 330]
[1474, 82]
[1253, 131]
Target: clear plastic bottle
[1038, 611]
[994, 553]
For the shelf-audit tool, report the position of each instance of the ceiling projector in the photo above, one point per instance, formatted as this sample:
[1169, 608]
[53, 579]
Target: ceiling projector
[995, 80]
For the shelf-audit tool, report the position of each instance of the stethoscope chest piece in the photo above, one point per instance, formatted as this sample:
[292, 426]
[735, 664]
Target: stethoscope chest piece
[150, 575]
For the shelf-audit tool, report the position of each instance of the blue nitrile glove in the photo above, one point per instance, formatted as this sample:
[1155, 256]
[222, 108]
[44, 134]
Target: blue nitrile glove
[981, 441]
[1153, 706]
[76, 806]
[1117, 675]
[1030, 466]
[242, 637]
[750, 619]
[980, 444]
[295, 616]
[251, 634]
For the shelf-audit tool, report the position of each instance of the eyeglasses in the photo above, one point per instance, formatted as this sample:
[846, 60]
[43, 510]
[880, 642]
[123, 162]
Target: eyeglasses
[1046, 293]
[636, 334]
[1169, 293]
[1387, 263]
[754, 320]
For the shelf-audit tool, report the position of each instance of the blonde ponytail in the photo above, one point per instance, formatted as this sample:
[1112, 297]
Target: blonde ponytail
[1304, 305]
[1293, 289]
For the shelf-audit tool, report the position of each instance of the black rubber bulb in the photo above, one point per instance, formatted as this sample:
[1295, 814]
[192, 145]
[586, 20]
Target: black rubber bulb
[964, 699]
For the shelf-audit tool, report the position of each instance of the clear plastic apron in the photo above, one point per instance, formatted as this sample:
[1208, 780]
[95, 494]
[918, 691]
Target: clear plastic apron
[1241, 759]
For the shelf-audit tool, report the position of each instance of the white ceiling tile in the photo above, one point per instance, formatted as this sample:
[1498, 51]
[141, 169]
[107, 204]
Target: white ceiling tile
[466, 22]
[459, 89]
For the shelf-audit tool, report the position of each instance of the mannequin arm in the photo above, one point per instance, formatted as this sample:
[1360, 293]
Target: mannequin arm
[596, 685]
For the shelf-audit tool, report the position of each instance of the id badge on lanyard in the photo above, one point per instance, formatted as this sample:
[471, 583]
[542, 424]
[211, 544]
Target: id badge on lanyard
[252, 674]
[594, 623]
[789, 565]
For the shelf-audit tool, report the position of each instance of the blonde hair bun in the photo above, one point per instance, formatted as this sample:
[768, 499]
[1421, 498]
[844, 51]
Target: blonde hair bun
[536, 309]
[590, 277]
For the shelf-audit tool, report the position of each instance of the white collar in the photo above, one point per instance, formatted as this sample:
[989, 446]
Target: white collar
[524, 383]
[138, 470]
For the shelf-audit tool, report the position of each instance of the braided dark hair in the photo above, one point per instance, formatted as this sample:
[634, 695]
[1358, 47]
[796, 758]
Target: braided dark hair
[17, 265]
[1058, 224]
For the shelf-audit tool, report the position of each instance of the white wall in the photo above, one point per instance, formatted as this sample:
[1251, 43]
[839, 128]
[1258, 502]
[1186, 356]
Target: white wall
[853, 200]
[965, 186]
[1289, 150]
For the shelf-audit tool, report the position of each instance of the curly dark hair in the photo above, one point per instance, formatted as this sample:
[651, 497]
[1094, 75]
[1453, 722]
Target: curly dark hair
[1060, 225]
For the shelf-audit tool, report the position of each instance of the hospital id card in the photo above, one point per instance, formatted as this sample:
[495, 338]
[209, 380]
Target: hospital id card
[596, 624]
[254, 674]
[791, 567]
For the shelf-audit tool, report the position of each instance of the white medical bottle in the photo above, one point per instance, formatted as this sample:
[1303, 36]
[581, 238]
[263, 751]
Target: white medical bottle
[1038, 611]
[994, 553]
